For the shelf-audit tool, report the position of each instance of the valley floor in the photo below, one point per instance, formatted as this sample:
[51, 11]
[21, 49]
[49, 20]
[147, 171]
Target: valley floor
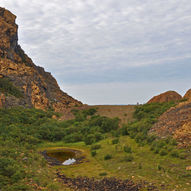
[145, 168]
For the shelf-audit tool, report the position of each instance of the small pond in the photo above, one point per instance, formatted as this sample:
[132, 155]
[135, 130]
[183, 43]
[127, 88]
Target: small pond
[62, 156]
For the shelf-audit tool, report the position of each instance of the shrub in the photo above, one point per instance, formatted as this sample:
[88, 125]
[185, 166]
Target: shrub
[107, 157]
[89, 139]
[93, 153]
[115, 141]
[124, 130]
[159, 167]
[173, 142]
[150, 139]
[103, 174]
[127, 149]
[95, 147]
[128, 158]
[174, 154]
[182, 156]
[163, 152]
[156, 150]
[6, 86]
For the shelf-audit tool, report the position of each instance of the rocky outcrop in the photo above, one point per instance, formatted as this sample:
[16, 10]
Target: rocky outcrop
[175, 122]
[166, 97]
[187, 96]
[39, 88]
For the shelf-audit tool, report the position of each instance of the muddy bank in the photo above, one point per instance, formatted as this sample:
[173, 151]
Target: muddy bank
[105, 184]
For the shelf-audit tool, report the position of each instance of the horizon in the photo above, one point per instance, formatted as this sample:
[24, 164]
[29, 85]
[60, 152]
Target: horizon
[113, 53]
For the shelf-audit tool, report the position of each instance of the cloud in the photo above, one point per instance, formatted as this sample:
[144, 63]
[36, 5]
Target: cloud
[93, 41]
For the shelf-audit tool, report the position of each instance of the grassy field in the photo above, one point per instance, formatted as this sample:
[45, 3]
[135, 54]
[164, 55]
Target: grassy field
[166, 172]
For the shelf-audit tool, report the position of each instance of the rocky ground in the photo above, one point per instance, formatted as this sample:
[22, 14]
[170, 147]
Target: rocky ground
[105, 184]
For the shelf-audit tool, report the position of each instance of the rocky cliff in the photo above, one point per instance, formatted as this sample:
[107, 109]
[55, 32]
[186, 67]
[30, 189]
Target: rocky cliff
[166, 97]
[37, 88]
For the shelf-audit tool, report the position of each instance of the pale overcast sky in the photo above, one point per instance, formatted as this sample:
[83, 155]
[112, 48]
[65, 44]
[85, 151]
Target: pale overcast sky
[109, 51]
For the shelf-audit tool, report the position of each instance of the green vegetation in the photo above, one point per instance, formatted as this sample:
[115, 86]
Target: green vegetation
[107, 157]
[7, 87]
[127, 152]
[21, 167]
[21, 130]
[145, 116]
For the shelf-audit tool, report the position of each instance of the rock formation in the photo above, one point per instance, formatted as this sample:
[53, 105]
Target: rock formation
[39, 88]
[175, 122]
[166, 97]
[187, 96]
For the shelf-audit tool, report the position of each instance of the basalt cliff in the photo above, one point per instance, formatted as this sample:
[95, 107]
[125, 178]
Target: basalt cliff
[18, 73]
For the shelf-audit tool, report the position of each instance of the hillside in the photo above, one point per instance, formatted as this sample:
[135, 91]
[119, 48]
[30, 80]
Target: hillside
[123, 112]
[166, 97]
[176, 122]
[28, 85]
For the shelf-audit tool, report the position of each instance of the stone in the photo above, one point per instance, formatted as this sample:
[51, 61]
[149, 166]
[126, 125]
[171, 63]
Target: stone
[40, 89]
[166, 97]
[188, 95]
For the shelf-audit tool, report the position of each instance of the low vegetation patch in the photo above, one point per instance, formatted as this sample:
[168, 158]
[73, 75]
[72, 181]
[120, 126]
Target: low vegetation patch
[7, 87]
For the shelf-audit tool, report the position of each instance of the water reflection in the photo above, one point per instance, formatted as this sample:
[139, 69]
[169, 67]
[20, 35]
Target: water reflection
[69, 162]
[66, 157]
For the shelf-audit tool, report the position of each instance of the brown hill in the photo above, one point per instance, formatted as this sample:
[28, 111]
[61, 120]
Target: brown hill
[166, 97]
[187, 96]
[39, 89]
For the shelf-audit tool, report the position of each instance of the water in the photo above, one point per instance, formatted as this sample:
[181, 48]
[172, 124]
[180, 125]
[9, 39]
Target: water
[66, 157]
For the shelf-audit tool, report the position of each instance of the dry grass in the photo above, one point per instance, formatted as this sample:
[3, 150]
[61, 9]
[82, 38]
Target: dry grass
[123, 112]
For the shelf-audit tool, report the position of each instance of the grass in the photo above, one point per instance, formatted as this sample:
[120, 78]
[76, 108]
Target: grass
[144, 164]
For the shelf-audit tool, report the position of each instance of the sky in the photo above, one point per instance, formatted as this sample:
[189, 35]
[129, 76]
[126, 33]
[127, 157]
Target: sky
[109, 51]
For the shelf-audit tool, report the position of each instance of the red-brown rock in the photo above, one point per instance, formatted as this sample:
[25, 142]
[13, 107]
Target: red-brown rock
[166, 97]
[188, 95]
[39, 88]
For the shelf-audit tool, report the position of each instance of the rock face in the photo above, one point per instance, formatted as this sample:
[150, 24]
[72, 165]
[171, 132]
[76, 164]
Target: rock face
[188, 95]
[166, 97]
[175, 122]
[39, 88]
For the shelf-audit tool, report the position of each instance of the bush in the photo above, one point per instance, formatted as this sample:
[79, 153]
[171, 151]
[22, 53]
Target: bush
[182, 156]
[150, 139]
[128, 158]
[93, 153]
[159, 167]
[107, 157]
[127, 149]
[115, 141]
[163, 152]
[95, 147]
[124, 130]
[103, 174]
[89, 139]
[7, 87]
[156, 150]
[174, 154]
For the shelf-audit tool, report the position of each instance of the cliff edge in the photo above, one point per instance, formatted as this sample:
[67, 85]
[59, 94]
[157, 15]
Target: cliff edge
[22, 83]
